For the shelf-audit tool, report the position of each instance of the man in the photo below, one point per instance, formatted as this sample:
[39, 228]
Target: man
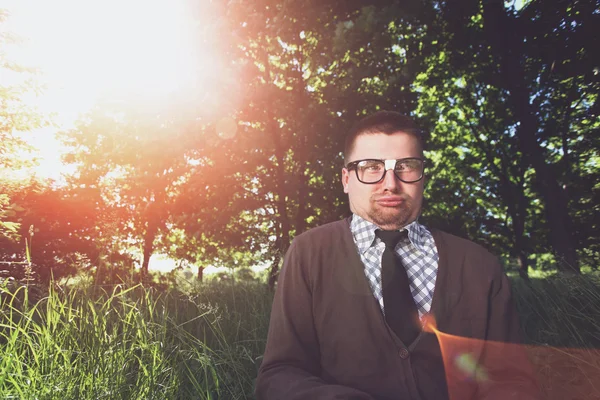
[350, 312]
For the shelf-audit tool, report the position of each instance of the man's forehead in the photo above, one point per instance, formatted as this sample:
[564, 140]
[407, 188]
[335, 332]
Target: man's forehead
[385, 146]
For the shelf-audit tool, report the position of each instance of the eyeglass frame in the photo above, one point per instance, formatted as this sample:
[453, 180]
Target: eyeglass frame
[387, 166]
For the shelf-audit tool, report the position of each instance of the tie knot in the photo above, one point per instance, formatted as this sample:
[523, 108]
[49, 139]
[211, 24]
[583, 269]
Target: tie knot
[391, 238]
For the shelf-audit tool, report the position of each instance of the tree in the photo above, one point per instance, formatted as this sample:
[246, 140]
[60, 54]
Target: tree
[311, 70]
[16, 117]
[511, 55]
[234, 170]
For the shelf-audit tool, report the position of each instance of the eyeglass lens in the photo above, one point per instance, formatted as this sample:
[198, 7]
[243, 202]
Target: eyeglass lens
[372, 171]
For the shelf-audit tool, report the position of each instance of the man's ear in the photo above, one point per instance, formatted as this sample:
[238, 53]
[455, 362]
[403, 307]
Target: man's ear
[345, 179]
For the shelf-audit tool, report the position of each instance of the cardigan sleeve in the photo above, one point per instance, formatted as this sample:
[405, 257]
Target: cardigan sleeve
[507, 370]
[291, 365]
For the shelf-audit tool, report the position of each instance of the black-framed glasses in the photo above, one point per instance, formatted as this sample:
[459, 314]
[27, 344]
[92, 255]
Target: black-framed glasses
[370, 171]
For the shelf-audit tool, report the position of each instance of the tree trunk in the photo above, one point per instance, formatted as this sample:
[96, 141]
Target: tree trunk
[200, 276]
[154, 215]
[302, 199]
[148, 248]
[511, 192]
[281, 203]
[518, 219]
[507, 47]
[100, 269]
[557, 216]
[282, 219]
[301, 150]
[523, 266]
[274, 270]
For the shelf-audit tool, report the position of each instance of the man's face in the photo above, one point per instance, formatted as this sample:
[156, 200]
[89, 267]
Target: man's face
[390, 204]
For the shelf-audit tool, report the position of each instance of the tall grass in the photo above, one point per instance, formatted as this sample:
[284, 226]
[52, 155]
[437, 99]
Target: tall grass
[560, 318]
[561, 310]
[141, 343]
[131, 343]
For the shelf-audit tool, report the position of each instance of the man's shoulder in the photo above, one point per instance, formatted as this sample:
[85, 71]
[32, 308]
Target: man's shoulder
[476, 262]
[459, 246]
[327, 240]
[325, 233]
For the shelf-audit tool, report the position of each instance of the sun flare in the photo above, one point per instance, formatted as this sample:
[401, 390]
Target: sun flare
[132, 48]
[135, 51]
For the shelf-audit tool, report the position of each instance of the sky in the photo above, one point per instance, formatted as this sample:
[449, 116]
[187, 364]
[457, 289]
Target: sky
[92, 49]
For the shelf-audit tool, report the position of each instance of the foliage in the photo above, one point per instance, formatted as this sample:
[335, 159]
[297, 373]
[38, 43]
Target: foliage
[62, 229]
[228, 174]
[504, 104]
[16, 117]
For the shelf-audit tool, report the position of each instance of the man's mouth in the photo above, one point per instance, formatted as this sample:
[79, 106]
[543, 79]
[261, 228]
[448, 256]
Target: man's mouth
[390, 201]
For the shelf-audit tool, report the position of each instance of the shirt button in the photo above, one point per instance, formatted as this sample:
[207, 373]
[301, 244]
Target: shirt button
[403, 353]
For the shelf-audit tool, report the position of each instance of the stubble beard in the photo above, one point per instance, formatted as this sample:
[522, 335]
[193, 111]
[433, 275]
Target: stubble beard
[392, 218]
[389, 218]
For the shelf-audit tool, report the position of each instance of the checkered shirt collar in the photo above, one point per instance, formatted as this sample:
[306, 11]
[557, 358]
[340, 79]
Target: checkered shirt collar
[364, 234]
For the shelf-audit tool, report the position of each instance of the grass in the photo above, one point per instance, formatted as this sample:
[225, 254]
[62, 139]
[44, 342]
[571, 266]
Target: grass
[560, 318]
[560, 310]
[131, 343]
[142, 343]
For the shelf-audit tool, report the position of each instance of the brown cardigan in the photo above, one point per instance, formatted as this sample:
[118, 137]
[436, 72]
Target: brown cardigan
[328, 338]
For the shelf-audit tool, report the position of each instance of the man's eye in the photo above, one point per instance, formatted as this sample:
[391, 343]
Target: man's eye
[372, 167]
[406, 166]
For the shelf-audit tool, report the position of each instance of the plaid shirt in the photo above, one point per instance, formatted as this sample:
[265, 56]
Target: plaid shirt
[419, 256]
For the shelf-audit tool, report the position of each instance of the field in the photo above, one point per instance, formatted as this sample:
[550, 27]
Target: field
[206, 343]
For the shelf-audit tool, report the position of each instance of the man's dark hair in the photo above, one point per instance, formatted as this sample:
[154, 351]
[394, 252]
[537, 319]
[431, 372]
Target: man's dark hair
[387, 122]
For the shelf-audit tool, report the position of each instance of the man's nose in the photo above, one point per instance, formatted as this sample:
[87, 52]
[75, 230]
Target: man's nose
[390, 181]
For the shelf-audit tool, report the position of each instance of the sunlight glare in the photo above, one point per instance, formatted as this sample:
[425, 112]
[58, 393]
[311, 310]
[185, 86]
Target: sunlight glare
[130, 48]
[141, 53]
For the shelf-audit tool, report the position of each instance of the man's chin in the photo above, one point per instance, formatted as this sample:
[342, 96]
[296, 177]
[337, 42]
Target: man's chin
[391, 219]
